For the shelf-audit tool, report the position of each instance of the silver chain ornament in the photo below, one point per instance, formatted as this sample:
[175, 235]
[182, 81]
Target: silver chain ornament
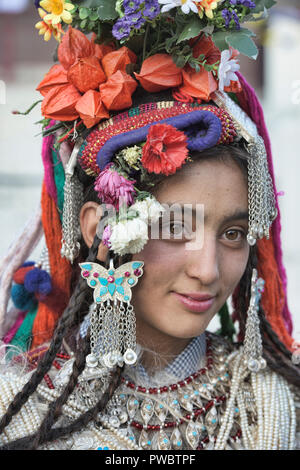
[252, 342]
[261, 198]
[73, 200]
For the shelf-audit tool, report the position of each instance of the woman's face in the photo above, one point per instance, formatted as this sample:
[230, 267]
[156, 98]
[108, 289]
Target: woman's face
[172, 271]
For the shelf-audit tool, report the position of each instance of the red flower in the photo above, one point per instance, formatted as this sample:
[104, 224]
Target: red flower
[165, 150]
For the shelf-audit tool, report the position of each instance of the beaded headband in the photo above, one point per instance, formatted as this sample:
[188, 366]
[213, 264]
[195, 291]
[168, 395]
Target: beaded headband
[89, 155]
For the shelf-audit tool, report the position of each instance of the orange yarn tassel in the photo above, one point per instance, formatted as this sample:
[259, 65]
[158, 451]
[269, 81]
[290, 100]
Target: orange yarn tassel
[273, 297]
[52, 307]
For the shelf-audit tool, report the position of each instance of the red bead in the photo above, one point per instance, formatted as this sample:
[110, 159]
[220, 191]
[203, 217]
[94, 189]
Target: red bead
[174, 387]
[189, 380]
[164, 389]
[131, 385]
[142, 389]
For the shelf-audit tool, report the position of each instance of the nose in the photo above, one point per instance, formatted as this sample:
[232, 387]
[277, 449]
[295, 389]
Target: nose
[204, 263]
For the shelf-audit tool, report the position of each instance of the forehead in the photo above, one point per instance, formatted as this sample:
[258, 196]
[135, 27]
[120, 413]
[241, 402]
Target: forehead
[220, 186]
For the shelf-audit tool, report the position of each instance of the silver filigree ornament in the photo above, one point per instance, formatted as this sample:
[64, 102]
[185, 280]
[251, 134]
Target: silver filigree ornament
[261, 198]
[113, 322]
[73, 200]
[253, 342]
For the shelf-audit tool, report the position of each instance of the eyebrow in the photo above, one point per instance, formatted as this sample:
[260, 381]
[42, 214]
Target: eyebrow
[239, 214]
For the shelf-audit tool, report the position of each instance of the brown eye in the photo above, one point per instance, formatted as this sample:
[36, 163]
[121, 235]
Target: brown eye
[234, 235]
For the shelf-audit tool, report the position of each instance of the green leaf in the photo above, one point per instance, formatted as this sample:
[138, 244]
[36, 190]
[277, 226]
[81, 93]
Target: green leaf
[243, 43]
[191, 30]
[93, 15]
[84, 13]
[247, 31]
[107, 10]
[262, 4]
[83, 23]
[219, 38]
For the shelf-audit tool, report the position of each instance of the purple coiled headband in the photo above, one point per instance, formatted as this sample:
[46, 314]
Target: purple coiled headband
[200, 119]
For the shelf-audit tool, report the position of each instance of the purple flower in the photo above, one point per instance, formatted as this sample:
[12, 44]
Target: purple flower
[244, 3]
[236, 20]
[152, 9]
[228, 15]
[113, 188]
[136, 20]
[121, 29]
[131, 6]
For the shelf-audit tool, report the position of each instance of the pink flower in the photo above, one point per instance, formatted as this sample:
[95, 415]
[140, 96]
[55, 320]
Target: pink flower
[113, 188]
[106, 236]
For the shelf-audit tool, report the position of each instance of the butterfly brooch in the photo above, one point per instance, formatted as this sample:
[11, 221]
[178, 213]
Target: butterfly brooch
[112, 284]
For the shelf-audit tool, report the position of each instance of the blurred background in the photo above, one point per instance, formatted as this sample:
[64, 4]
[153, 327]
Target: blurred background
[25, 58]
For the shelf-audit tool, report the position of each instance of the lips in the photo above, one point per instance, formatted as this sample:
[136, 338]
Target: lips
[195, 302]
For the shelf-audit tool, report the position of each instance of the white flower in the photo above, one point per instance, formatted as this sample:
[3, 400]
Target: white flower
[129, 236]
[186, 5]
[227, 68]
[149, 209]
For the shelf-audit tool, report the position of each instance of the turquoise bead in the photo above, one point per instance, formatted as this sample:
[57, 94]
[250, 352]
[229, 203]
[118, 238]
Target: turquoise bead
[130, 281]
[126, 297]
[103, 290]
[136, 265]
[93, 283]
[120, 289]
[111, 271]
[111, 289]
[103, 281]
[119, 280]
[98, 299]
[88, 267]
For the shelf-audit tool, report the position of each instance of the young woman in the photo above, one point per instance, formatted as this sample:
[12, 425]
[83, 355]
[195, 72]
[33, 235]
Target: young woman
[167, 214]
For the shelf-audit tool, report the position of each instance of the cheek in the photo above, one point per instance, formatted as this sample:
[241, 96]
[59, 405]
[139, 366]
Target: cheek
[163, 263]
[233, 268]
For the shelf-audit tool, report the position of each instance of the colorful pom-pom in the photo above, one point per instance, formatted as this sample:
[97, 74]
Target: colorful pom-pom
[38, 281]
[21, 272]
[21, 298]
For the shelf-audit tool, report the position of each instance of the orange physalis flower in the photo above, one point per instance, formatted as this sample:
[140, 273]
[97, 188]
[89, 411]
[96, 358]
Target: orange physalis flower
[117, 91]
[91, 108]
[198, 84]
[60, 102]
[159, 72]
[206, 46]
[56, 76]
[86, 74]
[73, 46]
[118, 60]
[100, 50]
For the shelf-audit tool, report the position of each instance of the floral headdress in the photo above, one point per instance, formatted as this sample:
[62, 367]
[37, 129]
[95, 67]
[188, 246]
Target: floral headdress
[108, 51]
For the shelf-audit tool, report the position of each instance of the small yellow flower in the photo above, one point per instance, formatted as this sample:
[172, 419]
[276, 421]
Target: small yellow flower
[46, 28]
[207, 6]
[59, 10]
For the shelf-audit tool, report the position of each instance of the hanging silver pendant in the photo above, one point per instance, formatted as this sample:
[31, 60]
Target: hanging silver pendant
[192, 434]
[132, 406]
[147, 410]
[144, 441]
[176, 439]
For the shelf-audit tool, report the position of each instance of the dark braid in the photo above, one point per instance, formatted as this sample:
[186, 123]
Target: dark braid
[55, 408]
[76, 425]
[67, 320]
